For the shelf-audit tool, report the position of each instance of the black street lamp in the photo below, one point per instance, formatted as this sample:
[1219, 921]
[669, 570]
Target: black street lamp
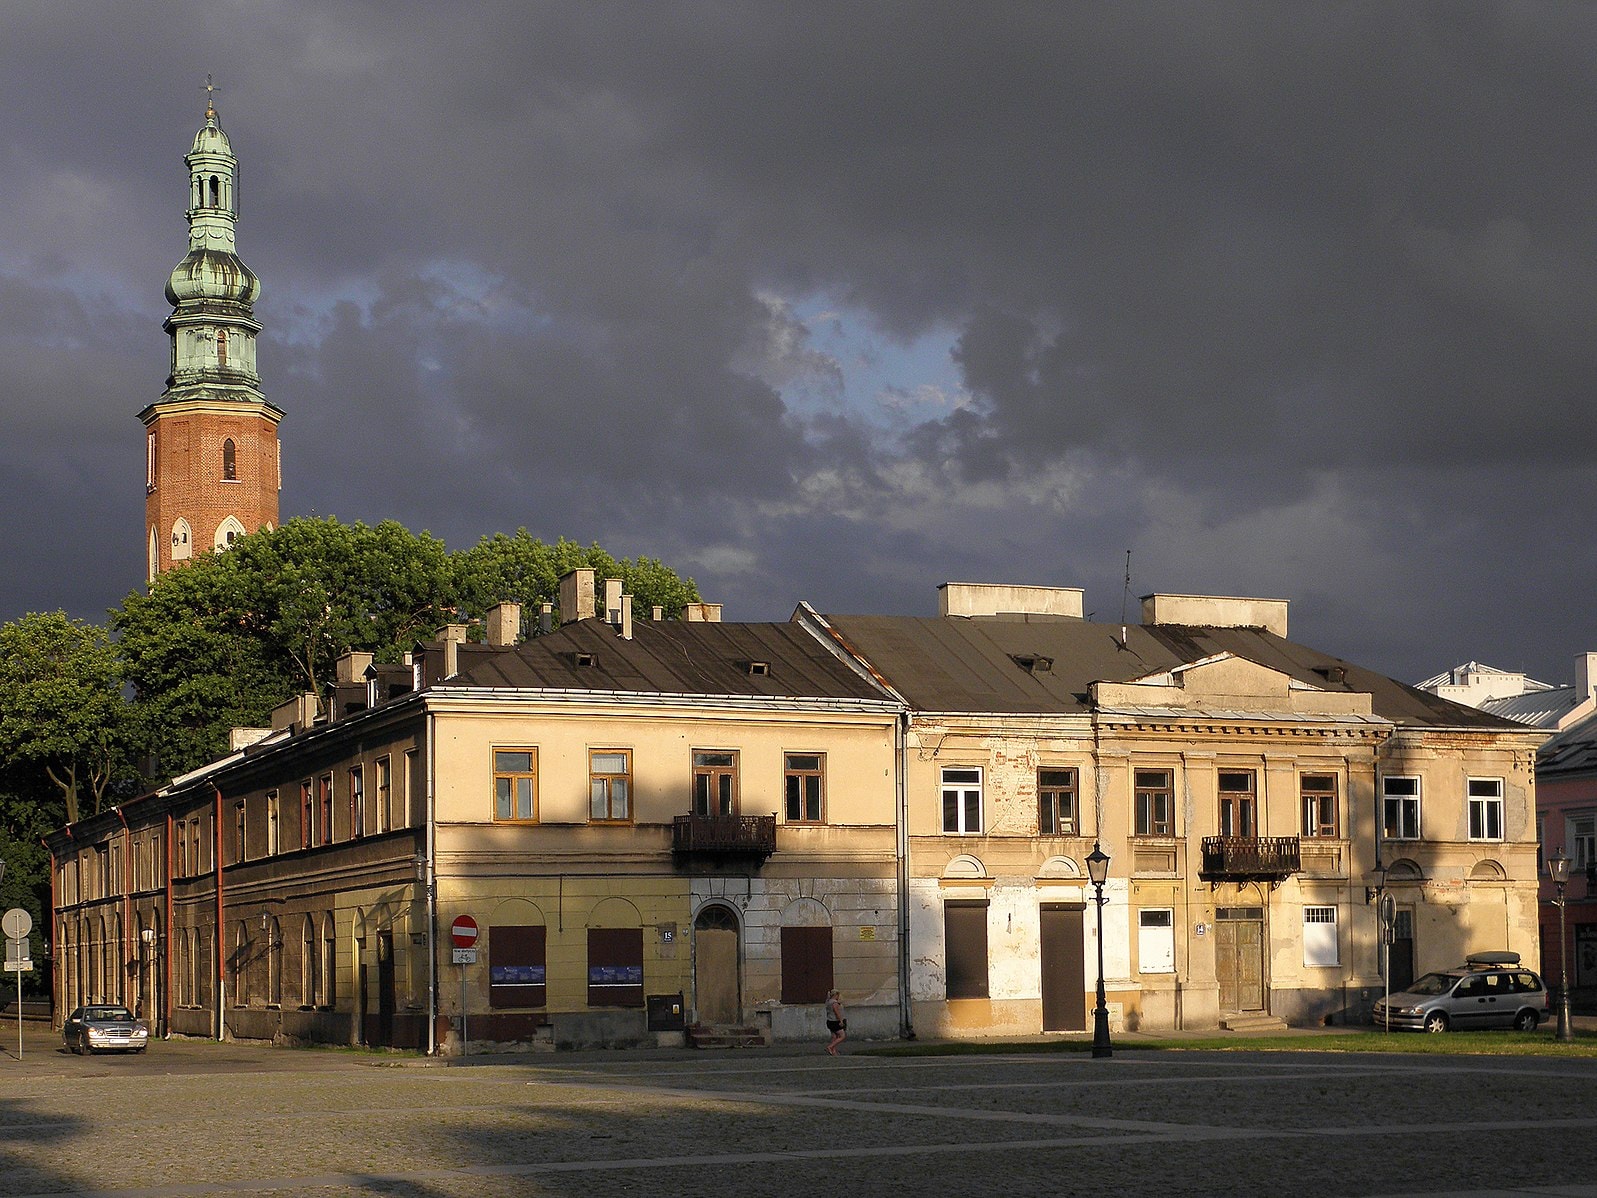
[1558, 867]
[1098, 871]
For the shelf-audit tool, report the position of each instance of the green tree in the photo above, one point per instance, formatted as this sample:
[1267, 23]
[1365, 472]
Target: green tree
[63, 720]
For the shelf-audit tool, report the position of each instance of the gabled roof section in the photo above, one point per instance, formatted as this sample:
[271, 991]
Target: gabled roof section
[670, 657]
[949, 664]
[1572, 751]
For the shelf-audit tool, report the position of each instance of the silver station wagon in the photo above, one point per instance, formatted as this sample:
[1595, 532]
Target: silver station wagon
[1489, 990]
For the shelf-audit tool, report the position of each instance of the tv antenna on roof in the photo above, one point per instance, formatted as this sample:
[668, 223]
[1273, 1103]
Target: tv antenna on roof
[1125, 595]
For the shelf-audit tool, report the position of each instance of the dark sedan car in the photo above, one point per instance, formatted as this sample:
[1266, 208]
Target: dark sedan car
[104, 1028]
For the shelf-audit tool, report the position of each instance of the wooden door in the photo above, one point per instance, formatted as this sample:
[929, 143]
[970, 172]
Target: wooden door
[715, 967]
[1064, 967]
[1239, 957]
[1400, 964]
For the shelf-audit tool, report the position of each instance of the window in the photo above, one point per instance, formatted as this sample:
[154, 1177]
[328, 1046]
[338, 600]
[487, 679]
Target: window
[1485, 809]
[324, 809]
[610, 785]
[516, 966]
[1400, 806]
[415, 790]
[1319, 804]
[1319, 937]
[802, 788]
[965, 948]
[1239, 811]
[1156, 940]
[516, 785]
[308, 980]
[962, 800]
[357, 801]
[615, 967]
[1580, 837]
[274, 965]
[241, 974]
[181, 857]
[149, 463]
[1056, 803]
[384, 793]
[307, 816]
[228, 470]
[806, 964]
[329, 971]
[272, 844]
[1155, 803]
[182, 540]
[238, 831]
[715, 778]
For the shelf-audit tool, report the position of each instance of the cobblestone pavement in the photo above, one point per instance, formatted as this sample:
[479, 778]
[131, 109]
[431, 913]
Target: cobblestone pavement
[200, 1119]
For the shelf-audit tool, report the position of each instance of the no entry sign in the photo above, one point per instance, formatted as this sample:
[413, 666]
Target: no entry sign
[464, 931]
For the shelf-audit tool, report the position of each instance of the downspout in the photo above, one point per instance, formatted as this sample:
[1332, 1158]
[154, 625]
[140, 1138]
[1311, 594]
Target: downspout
[431, 882]
[55, 962]
[166, 923]
[906, 1021]
[127, 889]
[221, 927]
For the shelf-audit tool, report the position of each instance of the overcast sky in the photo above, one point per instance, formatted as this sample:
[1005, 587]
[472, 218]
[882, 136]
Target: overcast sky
[836, 302]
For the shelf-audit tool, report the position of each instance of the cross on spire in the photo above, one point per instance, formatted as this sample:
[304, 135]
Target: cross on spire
[210, 97]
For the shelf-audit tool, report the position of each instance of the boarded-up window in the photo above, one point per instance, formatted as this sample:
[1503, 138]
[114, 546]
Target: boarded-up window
[615, 967]
[516, 966]
[965, 943]
[806, 964]
[1319, 936]
[1156, 940]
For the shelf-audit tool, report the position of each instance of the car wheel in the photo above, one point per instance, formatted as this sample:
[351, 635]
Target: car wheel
[1436, 1021]
[1525, 1021]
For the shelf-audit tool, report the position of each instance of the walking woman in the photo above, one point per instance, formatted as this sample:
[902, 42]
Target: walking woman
[835, 1021]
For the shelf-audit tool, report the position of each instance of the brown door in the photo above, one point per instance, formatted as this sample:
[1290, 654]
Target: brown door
[1239, 957]
[1064, 968]
[715, 967]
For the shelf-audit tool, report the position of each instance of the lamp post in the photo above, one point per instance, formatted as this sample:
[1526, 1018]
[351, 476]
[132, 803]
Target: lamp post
[1558, 867]
[1098, 871]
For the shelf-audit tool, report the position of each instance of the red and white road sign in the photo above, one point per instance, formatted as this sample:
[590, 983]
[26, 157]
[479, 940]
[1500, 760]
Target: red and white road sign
[464, 931]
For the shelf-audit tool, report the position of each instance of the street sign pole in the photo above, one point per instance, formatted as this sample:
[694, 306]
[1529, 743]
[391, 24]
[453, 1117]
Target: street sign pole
[463, 933]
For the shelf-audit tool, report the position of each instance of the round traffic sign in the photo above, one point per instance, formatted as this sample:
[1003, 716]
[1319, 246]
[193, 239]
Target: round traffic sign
[464, 931]
[17, 923]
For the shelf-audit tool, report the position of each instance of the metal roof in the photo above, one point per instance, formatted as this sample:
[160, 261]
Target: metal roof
[1572, 751]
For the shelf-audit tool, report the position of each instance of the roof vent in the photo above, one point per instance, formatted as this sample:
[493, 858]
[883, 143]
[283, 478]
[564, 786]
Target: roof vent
[583, 661]
[757, 669]
[1033, 663]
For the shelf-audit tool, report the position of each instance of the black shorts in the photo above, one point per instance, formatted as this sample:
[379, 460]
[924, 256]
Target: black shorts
[834, 1026]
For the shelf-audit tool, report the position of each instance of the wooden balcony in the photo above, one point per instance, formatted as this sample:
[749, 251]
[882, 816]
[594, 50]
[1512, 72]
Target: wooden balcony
[724, 835]
[1270, 859]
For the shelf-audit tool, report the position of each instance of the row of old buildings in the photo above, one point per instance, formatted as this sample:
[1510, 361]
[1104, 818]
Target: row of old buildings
[661, 824]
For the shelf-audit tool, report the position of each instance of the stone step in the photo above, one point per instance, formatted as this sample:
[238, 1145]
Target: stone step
[1252, 1022]
[704, 1036]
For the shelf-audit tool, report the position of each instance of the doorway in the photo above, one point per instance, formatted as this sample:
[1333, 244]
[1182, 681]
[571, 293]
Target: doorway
[385, 989]
[715, 966]
[1064, 967]
[1239, 957]
[1400, 964]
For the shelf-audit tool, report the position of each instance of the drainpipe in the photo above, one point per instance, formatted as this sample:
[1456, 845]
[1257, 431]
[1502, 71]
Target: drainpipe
[55, 960]
[221, 926]
[127, 888]
[906, 1022]
[431, 883]
[166, 922]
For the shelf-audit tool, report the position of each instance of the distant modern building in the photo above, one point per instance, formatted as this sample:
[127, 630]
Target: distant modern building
[695, 822]
[1515, 696]
[212, 468]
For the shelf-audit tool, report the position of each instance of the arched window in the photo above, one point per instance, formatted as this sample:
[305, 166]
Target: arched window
[307, 964]
[240, 971]
[329, 964]
[216, 192]
[274, 966]
[227, 532]
[182, 541]
[221, 347]
[155, 554]
[229, 461]
[199, 968]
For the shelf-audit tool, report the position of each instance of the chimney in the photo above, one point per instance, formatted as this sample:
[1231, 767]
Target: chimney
[626, 617]
[546, 618]
[1012, 602]
[657, 613]
[504, 625]
[612, 602]
[352, 666]
[1216, 611]
[702, 613]
[1585, 676]
[453, 636]
[299, 712]
[576, 596]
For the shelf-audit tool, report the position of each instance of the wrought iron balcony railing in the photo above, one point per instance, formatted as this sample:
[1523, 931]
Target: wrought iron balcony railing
[1250, 858]
[725, 835]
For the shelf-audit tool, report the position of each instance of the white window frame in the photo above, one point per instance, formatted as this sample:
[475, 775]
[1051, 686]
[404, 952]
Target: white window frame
[1156, 940]
[966, 792]
[1485, 808]
[1409, 808]
[1321, 948]
[1580, 838]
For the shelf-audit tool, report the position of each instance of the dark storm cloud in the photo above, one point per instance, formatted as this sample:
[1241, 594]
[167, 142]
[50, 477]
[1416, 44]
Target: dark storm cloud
[1290, 300]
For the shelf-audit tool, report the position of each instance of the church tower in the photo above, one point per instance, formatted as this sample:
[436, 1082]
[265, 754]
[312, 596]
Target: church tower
[212, 463]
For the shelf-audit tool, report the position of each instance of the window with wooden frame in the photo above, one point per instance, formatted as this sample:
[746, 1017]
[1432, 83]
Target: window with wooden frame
[357, 801]
[1319, 805]
[715, 782]
[238, 830]
[1239, 805]
[324, 809]
[307, 816]
[516, 786]
[1155, 803]
[384, 771]
[803, 788]
[273, 846]
[1056, 803]
[610, 786]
